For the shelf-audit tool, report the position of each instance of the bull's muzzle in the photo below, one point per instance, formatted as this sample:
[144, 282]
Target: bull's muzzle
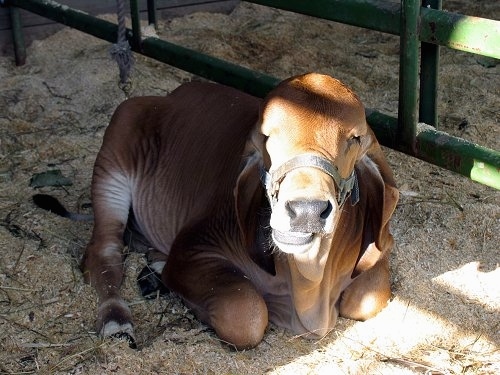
[308, 215]
[306, 219]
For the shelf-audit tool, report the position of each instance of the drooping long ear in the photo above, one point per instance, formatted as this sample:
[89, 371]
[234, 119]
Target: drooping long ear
[257, 143]
[248, 191]
[378, 188]
[391, 193]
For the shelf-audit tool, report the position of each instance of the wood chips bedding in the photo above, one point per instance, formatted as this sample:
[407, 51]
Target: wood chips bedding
[444, 315]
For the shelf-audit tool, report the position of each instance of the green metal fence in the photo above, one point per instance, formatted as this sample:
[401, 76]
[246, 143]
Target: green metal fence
[421, 25]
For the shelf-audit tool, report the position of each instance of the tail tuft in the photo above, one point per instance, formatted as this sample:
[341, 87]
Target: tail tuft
[49, 203]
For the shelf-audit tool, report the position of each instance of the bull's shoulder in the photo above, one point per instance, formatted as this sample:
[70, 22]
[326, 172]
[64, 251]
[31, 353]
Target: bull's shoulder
[193, 108]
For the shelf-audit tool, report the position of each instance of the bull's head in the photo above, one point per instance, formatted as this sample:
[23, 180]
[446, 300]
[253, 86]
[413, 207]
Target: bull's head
[312, 131]
[315, 131]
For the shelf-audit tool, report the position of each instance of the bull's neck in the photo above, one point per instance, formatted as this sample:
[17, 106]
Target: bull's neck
[313, 311]
[307, 273]
[316, 282]
[309, 267]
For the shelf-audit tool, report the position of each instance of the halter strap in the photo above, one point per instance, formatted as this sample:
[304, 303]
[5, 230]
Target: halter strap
[345, 186]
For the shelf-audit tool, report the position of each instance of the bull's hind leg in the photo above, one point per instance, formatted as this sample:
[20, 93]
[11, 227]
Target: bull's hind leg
[102, 263]
[219, 294]
[149, 279]
[368, 294]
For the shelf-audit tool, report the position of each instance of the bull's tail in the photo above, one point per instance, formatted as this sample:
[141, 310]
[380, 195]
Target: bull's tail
[49, 203]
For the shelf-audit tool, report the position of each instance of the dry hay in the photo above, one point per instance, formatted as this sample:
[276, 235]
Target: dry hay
[444, 316]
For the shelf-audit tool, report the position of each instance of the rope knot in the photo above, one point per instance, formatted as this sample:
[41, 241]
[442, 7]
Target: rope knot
[122, 54]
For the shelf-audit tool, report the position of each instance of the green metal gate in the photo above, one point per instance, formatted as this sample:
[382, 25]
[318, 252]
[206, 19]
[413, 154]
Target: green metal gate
[421, 25]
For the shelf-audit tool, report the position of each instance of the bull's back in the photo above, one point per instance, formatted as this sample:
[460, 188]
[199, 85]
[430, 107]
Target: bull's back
[180, 154]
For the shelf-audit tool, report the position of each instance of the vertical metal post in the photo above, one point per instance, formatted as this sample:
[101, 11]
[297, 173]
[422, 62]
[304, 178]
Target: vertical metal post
[17, 36]
[152, 20]
[408, 75]
[429, 66]
[136, 25]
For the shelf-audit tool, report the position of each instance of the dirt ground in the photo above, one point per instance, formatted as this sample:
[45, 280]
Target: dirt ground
[445, 312]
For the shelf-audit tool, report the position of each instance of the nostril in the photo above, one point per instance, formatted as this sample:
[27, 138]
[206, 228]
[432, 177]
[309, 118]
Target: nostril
[291, 208]
[328, 207]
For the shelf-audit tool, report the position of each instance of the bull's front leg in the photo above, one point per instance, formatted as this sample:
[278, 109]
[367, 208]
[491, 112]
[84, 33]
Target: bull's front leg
[102, 263]
[218, 292]
[369, 292]
[102, 267]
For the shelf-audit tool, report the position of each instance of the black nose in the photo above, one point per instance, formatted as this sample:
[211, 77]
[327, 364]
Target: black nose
[308, 216]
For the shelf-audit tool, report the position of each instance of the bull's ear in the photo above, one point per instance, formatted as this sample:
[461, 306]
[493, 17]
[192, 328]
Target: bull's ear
[248, 194]
[378, 212]
[256, 142]
[248, 191]
[372, 149]
[391, 193]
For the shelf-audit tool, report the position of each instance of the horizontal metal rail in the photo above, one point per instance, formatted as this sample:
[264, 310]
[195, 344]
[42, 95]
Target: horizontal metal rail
[476, 162]
[472, 34]
[480, 36]
[480, 164]
[371, 14]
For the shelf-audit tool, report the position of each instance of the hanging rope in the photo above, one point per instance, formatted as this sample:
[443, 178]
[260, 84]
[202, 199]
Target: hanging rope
[121, 51]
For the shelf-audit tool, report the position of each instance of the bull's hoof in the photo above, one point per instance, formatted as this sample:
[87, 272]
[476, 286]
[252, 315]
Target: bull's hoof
[121, 331]
[125, 336]
[150, 283]
[114, 319]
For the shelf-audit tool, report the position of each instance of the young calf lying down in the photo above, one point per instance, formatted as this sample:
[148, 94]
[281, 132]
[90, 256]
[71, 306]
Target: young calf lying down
[251, 210]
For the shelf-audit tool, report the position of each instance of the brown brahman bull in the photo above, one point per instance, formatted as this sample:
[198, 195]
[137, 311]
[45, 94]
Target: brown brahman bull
[251, 211]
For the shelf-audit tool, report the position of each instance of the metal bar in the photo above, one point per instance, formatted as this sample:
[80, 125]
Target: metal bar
[437, 27]
[465, 33]
[377, 15]
[183, 58]
[17, 36]
[429, 66]
[71, 17]
[384, 127]
[152, 19]
[408, 75]
[472, 34]
[476, 162]
[136, 25]
[221, 71]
